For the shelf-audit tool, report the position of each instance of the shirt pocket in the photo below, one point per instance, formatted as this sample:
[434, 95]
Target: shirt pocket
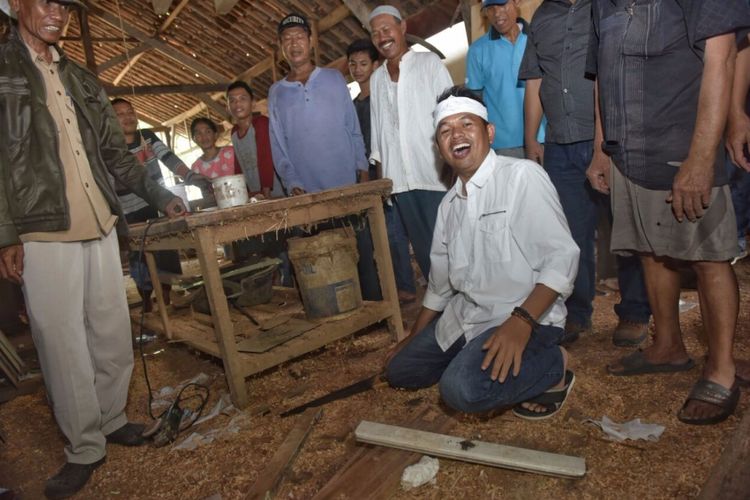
[646, 31]
[494, 236]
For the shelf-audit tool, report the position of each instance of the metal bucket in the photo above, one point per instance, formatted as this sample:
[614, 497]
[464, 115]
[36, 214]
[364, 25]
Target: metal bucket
[230, 191]
[326, 269]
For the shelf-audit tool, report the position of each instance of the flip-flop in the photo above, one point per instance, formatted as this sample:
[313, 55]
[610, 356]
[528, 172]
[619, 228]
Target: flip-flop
[717, 395]
[636, 363]
[552, 401]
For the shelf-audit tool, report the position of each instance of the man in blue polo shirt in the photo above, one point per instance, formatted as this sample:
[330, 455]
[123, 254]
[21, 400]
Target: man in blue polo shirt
[492, 66]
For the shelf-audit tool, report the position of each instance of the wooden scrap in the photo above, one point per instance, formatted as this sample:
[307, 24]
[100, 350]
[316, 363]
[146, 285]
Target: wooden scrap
[375, 472]
[729, 477]
[9, 353]
[272, 476]
[277, 335]
[458, 448]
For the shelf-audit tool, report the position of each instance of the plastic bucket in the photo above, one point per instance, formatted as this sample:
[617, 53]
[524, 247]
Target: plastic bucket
[180, 190]
[326, 269]
[230, 191]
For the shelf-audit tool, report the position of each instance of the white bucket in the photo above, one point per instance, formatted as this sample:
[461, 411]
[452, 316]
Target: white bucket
[230, 191]
[180, 190]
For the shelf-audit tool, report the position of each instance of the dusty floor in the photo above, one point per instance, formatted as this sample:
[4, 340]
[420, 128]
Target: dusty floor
[674, 467]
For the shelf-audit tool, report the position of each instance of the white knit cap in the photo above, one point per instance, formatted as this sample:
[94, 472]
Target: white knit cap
[384, 9]
[454, 105]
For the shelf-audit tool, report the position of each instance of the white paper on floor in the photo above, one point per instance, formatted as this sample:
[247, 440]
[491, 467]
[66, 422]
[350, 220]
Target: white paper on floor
[634, 429]
[196, 439]
[686, 305]
[420, 473]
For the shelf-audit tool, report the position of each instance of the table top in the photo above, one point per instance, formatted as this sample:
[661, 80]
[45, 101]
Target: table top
[380, 188]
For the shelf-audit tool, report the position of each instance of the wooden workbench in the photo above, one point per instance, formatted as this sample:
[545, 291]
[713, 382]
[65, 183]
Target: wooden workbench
[203, 231]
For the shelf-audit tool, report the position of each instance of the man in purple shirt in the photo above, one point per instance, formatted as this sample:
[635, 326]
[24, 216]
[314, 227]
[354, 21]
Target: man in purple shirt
[316, 141]
[315, 136]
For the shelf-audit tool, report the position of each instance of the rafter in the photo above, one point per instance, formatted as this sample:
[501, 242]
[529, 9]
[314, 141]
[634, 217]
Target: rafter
[121, 58]
[360, 11]
[189, 88]
[167, 22]
[162, 47]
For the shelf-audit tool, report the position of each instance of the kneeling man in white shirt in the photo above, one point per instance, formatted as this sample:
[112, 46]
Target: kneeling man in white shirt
[502, 263]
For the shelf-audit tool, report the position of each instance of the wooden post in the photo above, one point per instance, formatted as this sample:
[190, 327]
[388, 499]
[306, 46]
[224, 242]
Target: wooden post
[729, 477]
[156, 283]
[382, 252]
[220, 312]
[274, 66]
[88, 48]
[314, 24]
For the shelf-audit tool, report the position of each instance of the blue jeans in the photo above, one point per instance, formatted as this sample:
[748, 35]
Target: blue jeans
[464, 386]
[739, 184]
[418, 211]
[399, 245]
[566, 166]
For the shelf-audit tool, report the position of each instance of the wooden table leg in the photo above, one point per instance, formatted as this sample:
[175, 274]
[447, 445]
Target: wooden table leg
[154, 272]
[223, 326]
[376, 217]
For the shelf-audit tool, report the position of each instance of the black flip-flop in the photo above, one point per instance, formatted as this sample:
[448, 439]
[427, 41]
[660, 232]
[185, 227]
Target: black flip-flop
[636, 363]
[717, 395]
[552, 401]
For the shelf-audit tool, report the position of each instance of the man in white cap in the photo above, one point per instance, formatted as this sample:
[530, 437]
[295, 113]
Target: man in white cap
[503, 261]
[60, 147]
[403, 94]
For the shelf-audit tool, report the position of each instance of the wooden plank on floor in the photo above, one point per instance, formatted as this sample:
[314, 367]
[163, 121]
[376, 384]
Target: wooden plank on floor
[730, 477]
[458, 448]
[374, 472]
[273, 474]
[9, 352]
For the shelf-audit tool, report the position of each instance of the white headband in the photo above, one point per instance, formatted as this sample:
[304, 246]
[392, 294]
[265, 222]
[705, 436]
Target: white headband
[454, 105]
[384, 9]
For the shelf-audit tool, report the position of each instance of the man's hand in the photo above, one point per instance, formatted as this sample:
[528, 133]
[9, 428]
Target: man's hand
[266, 192]
[297, 191]
[691, 189]
[505, 348]
[738, 139]
[363, 176]
[193, 178]
[598, 172]
[535, 152]
[175, 208]
[11, 263]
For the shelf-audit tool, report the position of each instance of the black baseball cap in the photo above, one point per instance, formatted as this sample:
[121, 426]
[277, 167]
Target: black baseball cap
[292, 21]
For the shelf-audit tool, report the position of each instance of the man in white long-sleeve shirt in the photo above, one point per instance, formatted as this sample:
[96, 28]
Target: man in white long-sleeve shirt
[503, 261]
[403, 95]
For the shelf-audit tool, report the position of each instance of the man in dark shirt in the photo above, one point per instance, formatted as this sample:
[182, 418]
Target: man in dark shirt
[664, 76]
[554, 69]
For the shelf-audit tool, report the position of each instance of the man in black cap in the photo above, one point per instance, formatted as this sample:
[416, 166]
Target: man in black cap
[60, 146]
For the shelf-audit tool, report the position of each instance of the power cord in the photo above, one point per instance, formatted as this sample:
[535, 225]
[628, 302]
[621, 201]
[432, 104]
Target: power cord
[177, 417]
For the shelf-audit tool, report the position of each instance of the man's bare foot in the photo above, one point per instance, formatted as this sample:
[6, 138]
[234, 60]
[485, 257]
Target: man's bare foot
[537, 408]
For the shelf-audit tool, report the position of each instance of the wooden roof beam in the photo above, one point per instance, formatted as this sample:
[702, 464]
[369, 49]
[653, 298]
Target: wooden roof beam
[167, 22]
[360, 11]
[88, 48]
[189, 88]
[162, 47]
[121, 58]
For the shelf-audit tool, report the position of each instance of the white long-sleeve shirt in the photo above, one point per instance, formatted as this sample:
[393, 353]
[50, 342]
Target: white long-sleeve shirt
[402, 132]
[494, 245]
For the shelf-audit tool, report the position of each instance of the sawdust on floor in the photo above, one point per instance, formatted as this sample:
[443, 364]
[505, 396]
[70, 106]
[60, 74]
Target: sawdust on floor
[675, 466]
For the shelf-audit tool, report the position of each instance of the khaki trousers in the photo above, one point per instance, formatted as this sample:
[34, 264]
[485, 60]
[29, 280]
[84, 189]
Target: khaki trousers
[80, 324]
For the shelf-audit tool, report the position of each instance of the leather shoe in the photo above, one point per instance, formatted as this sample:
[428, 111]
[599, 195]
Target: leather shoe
[629, 333]
[128, 435]
[572, 332]
[70, 479]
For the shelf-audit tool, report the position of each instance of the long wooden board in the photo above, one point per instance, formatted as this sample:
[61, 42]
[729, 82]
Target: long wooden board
[271, 477]
[375, 472]
[480, 452]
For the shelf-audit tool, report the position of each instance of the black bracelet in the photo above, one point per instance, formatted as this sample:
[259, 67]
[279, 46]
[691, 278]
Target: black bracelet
[523, 314]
